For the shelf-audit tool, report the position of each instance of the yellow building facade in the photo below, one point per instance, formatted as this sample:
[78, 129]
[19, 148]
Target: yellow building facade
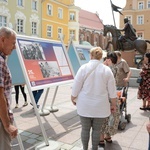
[59, 17]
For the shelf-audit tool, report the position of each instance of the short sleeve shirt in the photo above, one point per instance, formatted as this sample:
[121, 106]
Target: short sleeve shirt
[123, 69]
[6, 82]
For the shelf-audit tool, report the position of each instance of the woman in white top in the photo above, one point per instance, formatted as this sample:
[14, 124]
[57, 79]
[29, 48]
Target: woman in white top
[93, 85]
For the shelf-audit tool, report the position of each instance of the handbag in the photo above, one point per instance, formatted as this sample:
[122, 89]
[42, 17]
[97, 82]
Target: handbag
[139, 80]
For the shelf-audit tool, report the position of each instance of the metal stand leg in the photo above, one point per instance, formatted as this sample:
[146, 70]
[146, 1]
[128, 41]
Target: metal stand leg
[51, 108]
[38, 118]
[19, 139]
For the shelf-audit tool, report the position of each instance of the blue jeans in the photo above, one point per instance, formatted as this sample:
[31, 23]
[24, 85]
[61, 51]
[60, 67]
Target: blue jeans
[37, 94]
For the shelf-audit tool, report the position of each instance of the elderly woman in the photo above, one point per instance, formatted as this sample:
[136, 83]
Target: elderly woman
[110, 125]
[93, 85]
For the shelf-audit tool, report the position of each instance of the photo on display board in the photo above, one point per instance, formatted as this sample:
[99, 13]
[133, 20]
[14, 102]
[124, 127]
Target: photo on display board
[49, 69]
[81, 54]
[32, 51]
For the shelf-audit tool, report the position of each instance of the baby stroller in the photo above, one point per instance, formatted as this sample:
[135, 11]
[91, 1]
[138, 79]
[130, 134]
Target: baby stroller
[122, 93]
[120, 118]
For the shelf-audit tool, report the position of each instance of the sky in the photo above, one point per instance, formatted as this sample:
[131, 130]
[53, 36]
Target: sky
[103, 7]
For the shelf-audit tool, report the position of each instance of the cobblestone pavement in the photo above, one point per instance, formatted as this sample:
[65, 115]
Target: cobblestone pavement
[63, 128]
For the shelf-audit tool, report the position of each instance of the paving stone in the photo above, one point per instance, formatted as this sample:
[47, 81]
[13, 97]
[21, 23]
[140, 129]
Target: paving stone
[40, 138]
[63, 127]
[25, 133]
[66, 146]
[33, 136]
[24, 138]
[31, 141]
[53, 145]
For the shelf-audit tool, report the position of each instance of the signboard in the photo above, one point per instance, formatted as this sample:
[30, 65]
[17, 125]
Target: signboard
[43, 62]
[15, 69]
[79, 55]
[138, 58]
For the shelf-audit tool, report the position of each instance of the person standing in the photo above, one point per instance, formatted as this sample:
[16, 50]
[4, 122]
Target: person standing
[17, 95]
[94, 83]
[123, 73]
[144, 87]
[7, 129]
[107, 131]
[37, 94]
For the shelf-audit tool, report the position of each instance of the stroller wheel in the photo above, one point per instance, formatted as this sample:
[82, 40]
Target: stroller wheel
[122, 125]
[128, 117]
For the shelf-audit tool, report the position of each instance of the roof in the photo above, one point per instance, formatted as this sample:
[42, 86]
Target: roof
[90, 20]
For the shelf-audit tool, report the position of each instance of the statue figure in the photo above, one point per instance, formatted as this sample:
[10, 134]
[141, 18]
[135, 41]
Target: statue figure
[129, 32]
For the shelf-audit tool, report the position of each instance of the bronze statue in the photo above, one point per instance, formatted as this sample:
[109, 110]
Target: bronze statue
[138, 44]
[129, 33]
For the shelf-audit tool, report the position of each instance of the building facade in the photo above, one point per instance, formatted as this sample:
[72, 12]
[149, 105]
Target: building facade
[60, 18]
[91, 29]
[51, 19]
[23, 16]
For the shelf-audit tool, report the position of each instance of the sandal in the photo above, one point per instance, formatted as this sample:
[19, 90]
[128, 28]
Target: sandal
[101, 143]
[109, 140]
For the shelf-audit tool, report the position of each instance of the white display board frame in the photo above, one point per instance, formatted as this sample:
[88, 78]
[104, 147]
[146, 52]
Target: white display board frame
[63, 73]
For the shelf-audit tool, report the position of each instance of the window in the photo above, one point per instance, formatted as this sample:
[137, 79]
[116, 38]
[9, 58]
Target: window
[34, 28]
[20, 2]
[140, 20]
[3, 21]
[49, 31]
[20, 26]
[140, 35]
[49, 10]
[59, 32]
[72, 34]
[34, 4]
[60, 13]
[141, 5]
[72, 16]
[148, 4]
